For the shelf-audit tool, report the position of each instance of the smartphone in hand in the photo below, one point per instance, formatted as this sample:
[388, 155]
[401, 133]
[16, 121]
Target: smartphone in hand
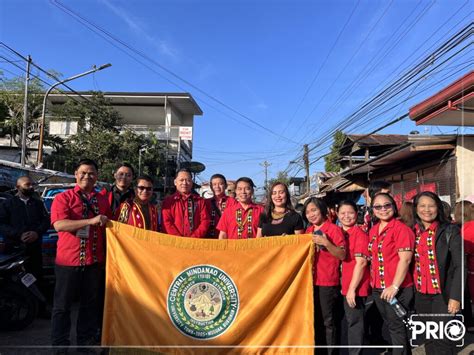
[320, 233]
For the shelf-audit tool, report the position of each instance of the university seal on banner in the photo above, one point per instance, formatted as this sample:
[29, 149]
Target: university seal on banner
[203, 302]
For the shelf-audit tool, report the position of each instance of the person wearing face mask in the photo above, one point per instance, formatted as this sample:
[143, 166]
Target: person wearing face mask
[23, 221]
[122, 189]
[140, 212]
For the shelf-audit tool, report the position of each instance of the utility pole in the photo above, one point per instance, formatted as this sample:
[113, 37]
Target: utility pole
[25, 114]
[265, 165]
[306, 166]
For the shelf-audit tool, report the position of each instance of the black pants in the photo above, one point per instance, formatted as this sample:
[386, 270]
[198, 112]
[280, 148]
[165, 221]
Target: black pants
[355, 323]
[34, 263]
[467, 311]
[396, 327]
[434, 304]
[373, 323]
[70, 282]
[326, 303]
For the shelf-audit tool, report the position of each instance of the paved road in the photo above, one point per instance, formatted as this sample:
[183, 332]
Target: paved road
[35, 340]
[38, 334]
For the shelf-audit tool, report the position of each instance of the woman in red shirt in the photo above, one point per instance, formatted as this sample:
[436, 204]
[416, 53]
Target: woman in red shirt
[438, 264]
[355, 274]
[330, 250]
[391, 245]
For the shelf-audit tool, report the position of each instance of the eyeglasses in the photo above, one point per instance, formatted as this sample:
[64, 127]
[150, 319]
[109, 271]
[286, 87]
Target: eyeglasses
[121, 175]
[386, 206]
[147, 188]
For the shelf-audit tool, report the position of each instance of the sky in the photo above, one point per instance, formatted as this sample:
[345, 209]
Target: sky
[269, 75]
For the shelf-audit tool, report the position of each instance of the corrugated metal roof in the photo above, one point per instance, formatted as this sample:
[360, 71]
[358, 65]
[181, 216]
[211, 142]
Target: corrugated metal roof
[326, 174]
[377, 139]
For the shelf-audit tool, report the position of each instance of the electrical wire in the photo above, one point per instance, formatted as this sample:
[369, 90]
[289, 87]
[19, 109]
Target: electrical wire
[94, 27]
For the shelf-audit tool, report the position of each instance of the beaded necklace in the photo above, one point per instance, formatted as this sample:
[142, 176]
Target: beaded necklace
[381, 268]
[278, 215]
[216, 209]
[191, 214]
[93, 207]
[241, 224]
[431, 260]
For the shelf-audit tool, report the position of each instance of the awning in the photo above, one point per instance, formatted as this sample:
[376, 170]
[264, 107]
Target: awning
[452, 106]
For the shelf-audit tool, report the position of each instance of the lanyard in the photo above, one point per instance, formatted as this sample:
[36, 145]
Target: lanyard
[241, 224]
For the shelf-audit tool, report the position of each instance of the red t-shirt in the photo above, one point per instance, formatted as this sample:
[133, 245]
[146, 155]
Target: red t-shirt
[395, 237]
[216, 209]
[326, 266]
[357, 243]
[468, 236]
[175, 216]
[70, 205]
[425, 272]
[228, 222]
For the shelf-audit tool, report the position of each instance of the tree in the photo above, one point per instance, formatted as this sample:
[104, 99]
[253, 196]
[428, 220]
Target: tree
[101, 136]
[12, 111]
[282, 176]
[331, 164]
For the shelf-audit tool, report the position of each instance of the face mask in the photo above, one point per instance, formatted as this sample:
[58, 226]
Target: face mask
[27, 192]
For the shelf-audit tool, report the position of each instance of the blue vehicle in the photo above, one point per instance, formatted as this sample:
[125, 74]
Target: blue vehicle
[50, 238]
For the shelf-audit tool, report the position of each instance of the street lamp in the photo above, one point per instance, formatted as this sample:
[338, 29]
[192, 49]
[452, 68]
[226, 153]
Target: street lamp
[39, 159]
[142, 149]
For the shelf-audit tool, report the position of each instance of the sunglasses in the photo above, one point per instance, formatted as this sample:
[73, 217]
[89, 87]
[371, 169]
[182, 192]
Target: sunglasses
[386, 206]
[147, 188]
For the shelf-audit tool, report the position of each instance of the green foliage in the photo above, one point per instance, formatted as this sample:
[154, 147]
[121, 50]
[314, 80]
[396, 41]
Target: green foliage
[101, 135]
[12, 108]
[282, 176]
[99, 138]
[331, 164]
[12, 111]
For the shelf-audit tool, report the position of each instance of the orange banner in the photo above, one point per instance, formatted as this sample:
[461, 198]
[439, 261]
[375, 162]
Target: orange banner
[203, 295]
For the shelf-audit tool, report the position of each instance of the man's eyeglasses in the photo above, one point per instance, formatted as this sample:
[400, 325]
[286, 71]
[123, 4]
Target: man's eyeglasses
[147, 188]
[121, 175]
[386, 206]
[84, 174]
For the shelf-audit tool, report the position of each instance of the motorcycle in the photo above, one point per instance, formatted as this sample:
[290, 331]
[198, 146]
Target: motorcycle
[19, 294]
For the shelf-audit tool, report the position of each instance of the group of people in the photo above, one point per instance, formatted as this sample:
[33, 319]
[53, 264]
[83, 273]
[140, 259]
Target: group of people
[418, 266]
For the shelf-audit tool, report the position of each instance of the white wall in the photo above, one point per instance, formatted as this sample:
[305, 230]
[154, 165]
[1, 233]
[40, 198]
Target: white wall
[465, 166]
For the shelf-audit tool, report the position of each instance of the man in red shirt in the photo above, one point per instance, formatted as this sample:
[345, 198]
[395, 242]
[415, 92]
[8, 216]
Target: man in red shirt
[184, 213]
[240, 221]
[218, 203]
[79, 215]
